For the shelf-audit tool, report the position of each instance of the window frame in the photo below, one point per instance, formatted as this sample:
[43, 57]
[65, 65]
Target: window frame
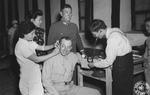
[88, 15]
[135, 13]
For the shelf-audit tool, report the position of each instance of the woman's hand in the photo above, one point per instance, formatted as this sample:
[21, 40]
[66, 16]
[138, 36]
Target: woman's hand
[56, 51]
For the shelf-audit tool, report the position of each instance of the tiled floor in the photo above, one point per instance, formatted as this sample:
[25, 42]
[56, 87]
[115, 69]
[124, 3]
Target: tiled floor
[9, 72]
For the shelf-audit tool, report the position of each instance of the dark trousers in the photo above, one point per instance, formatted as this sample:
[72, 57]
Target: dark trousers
[122, 74]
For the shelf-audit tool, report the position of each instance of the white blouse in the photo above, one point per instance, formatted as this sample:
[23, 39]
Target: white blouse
[117, 45]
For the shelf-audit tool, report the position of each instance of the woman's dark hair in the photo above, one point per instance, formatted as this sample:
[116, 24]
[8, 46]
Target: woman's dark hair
[33, 14]
[66, 6]
[97, 24]
[25, 28]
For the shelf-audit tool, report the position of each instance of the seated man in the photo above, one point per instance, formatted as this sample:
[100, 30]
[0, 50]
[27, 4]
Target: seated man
[58, 71]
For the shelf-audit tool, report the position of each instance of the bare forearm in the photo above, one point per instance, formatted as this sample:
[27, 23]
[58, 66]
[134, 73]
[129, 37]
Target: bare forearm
[38, 59]
[45, 48]
[48, 47]
[45, 57]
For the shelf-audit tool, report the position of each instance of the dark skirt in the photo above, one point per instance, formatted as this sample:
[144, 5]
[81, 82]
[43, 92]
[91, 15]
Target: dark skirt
[122, 74]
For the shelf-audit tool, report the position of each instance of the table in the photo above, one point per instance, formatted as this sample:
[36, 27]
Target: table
[85, 71]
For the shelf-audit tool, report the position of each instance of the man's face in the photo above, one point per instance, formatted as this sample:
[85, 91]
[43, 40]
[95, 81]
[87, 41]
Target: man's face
[65, 47]
[66, 14]
[147, 26]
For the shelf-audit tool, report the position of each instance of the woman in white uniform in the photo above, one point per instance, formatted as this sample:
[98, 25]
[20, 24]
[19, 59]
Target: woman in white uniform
[30, 74]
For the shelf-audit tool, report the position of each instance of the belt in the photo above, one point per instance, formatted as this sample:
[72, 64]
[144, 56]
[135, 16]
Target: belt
[62, 83]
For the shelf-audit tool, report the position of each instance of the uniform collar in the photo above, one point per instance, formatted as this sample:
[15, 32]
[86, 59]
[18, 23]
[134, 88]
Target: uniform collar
[64, 23]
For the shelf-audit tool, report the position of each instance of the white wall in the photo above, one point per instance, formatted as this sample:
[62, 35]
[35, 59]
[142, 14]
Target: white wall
[102, 10]
[125, 15]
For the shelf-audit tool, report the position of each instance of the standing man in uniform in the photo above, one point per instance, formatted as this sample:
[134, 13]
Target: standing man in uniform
[66, 28]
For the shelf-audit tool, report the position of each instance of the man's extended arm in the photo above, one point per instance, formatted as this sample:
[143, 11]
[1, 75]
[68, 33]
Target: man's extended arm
[82, 61]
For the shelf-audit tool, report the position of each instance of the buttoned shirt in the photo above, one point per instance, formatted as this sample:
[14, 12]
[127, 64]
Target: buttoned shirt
[57, 70]
[117, 45]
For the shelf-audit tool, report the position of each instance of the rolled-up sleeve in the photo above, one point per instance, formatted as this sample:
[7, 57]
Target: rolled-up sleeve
[111, 52]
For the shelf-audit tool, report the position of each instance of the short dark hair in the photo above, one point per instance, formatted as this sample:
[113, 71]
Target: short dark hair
[66, 6]
[37, 13]
[64, 37]
[25, 28]
[59, 17]
[97, 24]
